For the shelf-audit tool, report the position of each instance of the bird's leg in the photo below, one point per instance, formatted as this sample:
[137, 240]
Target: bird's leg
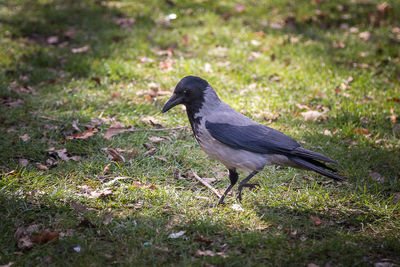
[245, 184]
[233, 177]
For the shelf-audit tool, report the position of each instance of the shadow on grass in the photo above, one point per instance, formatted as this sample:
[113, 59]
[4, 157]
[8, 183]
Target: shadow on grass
[290, 237]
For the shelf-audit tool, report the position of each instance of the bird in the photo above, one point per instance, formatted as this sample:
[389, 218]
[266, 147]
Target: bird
[237, 141]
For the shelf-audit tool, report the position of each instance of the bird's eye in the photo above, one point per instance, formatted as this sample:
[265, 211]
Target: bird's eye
[186, 92]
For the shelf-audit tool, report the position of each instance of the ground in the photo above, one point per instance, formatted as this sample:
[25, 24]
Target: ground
[93, 174]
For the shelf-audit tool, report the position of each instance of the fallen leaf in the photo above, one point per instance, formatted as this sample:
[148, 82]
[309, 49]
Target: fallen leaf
[116, 129]
[75, 125]
[11, 173]
[150, 151]
[302, 106]
[177, 234]
[313, 115]
[201, 239]
[79, 50]
[124, 22]
[144, 59]
[161, 158]
[45, 236]
[23, 162]
[139, 184]
[167, 64]
[152, 121]
[364, 35]
[205, 253]
[86, 134]
[312, 265]
[22, 238]
[62, 154]
[392, 115]
[328, 133]
[156, 139]
[316, 220]
[52, 40]
[339, 45]
[25, 137]
[376, 176]
[107, 168]
[116, 157]
[70, 33]
[361, 131]
[97, 80]
[237, 207]
[41, 166]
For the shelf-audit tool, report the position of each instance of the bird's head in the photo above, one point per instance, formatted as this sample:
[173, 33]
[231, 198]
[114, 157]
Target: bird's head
[190, 91]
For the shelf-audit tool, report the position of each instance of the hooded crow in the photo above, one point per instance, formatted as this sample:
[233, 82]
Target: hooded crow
[237, 141]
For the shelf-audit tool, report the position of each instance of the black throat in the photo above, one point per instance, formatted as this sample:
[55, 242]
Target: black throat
[192, 111]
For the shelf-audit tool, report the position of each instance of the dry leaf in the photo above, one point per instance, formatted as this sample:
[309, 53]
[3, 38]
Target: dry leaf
[361, 131]
[144, 59]
[313, 115]
[22, 238]
[392, 115]
[45, 237]
[25, 137]
[152, 121]
[52, 40]
[115, 155]
[124, 22]
[150, 151]
[70, 33]
[97, 80]
[23, 162]
[86, 134]
[364, 35]
[79, 50]
[139, 184]
[317, 221]
[237, 207]
[107, 168]
[116, 129]
[62, 154]
[167, 64]
[376, 176]
[41, 166]
[328, 133]
[312, 265]
[177, 234]
[11, 173]
[156, 139]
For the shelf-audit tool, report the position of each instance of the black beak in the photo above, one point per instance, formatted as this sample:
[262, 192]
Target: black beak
[172, 102]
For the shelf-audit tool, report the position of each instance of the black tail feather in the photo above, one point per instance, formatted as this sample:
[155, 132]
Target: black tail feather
[317, 167]
[305, 153]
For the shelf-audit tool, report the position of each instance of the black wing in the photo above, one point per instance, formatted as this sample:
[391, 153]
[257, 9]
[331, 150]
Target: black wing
[260, 139]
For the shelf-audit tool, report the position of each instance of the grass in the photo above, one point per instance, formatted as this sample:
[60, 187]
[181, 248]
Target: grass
[295, 218]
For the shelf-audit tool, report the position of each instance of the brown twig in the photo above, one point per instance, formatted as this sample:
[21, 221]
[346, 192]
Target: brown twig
[207, 185]
[157, 130]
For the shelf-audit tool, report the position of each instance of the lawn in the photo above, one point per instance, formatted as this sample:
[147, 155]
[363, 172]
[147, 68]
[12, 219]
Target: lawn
[93, 174]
